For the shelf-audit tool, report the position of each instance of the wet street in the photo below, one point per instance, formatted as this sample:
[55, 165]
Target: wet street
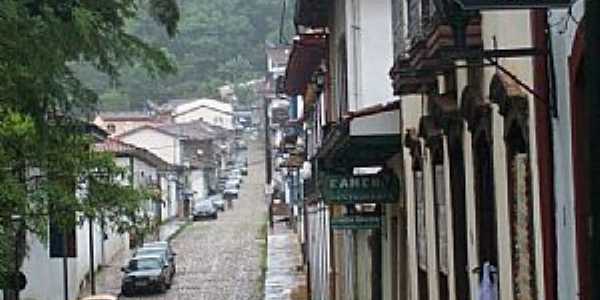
[220, 259]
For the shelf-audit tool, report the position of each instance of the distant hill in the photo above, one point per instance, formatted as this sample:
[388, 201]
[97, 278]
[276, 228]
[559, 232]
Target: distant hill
[218, 42]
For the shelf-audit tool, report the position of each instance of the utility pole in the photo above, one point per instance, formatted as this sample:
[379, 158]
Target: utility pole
[268, 154]
[65, 266]
[592, 102]
[268, 151]
[92, 271]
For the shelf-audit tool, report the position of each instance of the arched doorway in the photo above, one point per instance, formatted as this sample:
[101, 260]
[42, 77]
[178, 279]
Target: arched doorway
[413, 143]
[514, 107]
[478, 116]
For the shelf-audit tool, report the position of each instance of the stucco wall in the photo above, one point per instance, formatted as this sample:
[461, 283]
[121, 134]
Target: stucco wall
[563, 37]
[162, 145]
[370, 52]
[208, 115]
[45, 274]
[199, 184]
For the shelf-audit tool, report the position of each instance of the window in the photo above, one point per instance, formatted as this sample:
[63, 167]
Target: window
[111, 128]
[421, 17]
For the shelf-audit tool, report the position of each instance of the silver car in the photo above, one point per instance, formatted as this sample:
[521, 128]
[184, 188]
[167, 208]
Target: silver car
[204, 210]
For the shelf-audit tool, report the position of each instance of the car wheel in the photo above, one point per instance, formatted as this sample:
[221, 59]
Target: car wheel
[162, 287]
[126, 292]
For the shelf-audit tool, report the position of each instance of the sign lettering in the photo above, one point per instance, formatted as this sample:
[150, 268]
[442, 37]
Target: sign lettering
[349, 189]
[355, 222]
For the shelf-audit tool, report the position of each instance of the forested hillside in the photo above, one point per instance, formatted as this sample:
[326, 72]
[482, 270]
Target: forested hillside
[218, 42]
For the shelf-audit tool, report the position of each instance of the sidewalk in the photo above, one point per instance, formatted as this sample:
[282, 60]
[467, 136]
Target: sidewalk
[283, 280]
[168, 229]
[108, 278]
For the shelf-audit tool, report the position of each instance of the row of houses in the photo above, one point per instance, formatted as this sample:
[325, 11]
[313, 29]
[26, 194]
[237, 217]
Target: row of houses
[176, 151]
[447, 149]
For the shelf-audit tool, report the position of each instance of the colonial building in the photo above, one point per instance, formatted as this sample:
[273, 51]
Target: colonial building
[338, 68]
[471, 131]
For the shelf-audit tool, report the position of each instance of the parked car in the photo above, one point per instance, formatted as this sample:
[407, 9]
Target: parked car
[232, 184]
[204, 209]
[164, 245]
[144, 273]
[242, 145]
[166, 253]
[101, 297]
[218, 202]
[236, 175]
[230, 193]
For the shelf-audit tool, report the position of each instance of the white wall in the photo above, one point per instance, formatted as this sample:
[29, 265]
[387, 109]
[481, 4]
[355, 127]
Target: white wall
[563, 37]
[172, 202]
[198, 183]
[208, 115]
[45, 274]
[165, 146]
[164, 187]
[383, 123]
[370, 52]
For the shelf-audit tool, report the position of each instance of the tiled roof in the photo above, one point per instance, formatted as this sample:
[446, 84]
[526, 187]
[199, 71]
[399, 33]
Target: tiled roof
[196, 130]
[125, 115]
[116, 146]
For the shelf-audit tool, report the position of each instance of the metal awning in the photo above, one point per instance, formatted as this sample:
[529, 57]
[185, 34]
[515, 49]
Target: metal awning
[365, 138]
[305, 58]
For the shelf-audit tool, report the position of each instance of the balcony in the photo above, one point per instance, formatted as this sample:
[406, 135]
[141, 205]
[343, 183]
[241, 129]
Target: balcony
[435, 29]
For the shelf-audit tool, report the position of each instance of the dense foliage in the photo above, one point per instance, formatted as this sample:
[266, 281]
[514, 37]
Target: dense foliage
[45, 156]
[218, 42]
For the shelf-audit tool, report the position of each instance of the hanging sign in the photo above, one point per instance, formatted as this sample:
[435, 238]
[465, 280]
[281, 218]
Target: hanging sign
[351, 189]
[512, 4]
[355, 222]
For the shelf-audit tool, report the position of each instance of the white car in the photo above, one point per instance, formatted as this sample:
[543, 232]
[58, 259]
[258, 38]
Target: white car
[232, 184]
[231, 193]
[204, 210]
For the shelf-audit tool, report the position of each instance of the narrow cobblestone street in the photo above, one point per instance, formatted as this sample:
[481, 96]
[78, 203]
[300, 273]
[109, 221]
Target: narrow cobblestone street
[220, 259]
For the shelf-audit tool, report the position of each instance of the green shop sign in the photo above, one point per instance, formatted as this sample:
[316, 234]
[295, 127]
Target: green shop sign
[351, 189]
[355, 222]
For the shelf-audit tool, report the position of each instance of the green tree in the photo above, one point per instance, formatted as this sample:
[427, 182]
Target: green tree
[45, 153]
[215, 39]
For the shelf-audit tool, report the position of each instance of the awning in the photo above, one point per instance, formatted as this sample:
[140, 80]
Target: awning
[365, 138]
[304, 60]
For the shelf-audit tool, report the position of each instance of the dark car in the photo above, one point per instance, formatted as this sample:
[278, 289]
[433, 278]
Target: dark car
[204, 209]
[230, 193]
[163, 245]
[145, 273]
[165, 253]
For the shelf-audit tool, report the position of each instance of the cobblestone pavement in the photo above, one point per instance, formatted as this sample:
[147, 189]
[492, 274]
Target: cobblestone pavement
[218, 259]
